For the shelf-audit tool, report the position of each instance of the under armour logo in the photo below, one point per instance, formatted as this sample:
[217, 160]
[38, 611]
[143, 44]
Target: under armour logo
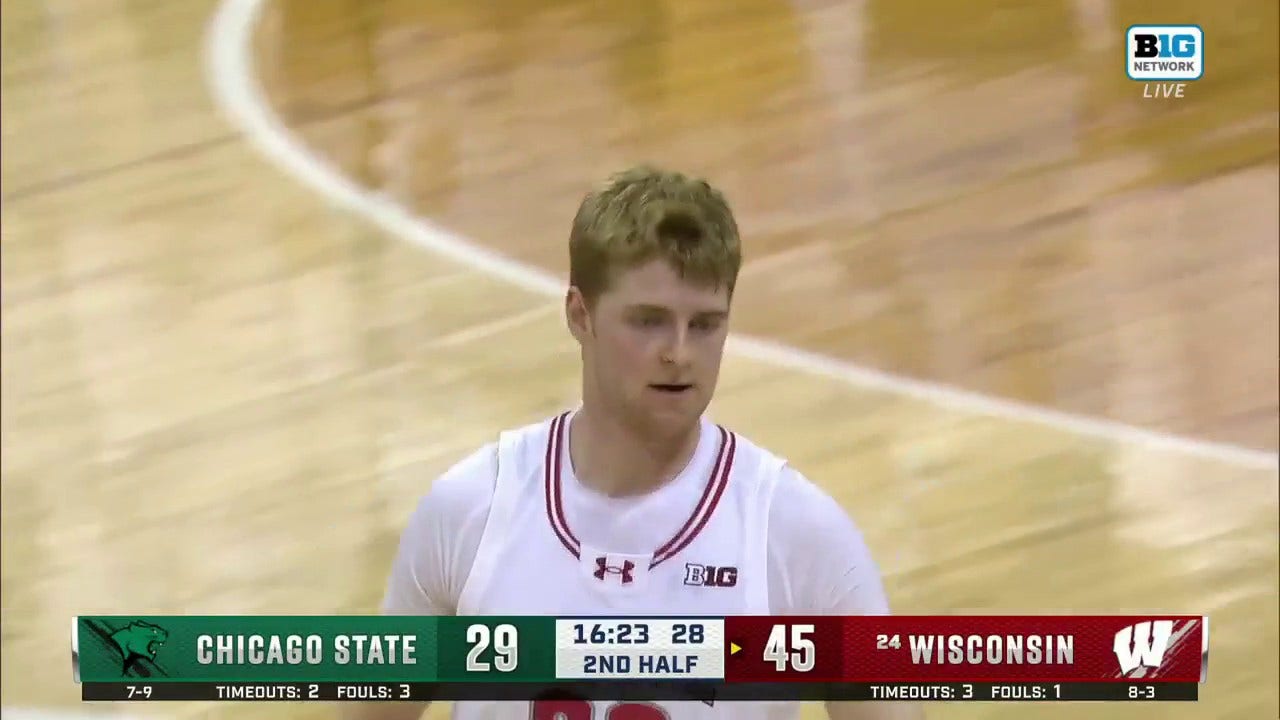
[603, 568]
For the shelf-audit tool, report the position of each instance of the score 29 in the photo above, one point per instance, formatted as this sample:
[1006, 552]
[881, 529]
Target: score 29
[505, 641]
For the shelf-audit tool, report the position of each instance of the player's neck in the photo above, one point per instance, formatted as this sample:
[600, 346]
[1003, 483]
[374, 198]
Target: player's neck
[615, 460]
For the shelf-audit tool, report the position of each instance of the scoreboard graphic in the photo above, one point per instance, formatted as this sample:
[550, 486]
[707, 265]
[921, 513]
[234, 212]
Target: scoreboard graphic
[706, 659]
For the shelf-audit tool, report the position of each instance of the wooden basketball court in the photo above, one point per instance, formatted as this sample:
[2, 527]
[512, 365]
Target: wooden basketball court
[269, 266]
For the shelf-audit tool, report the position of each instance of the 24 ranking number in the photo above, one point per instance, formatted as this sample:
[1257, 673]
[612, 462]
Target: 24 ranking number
[884, 642]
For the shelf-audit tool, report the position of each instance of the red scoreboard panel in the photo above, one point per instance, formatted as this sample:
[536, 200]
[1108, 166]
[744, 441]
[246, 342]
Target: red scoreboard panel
[795, 649]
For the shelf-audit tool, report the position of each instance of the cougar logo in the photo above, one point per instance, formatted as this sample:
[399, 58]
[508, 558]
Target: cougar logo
[138, 639]
[1143, 644]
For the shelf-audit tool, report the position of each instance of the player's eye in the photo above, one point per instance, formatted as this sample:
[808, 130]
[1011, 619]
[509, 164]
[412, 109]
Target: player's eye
[647, 320]
[704, 324]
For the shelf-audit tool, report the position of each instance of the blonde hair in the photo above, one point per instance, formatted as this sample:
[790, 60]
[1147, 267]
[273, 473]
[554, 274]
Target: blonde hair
[644, 213]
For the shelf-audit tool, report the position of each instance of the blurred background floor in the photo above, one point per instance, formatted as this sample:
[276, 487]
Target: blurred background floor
[223, 393]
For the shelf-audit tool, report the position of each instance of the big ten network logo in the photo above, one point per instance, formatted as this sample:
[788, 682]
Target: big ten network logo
[1164, 58]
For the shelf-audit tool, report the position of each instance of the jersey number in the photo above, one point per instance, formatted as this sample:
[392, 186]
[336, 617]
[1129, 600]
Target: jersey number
[584, 710]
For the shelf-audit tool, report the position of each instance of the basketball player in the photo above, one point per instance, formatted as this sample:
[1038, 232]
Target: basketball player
[612, 508]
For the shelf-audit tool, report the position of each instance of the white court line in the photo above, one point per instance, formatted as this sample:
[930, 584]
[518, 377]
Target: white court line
[493, 327]
[233, 82]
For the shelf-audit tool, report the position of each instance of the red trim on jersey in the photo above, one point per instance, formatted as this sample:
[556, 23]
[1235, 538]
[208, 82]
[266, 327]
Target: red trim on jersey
[555, 509]
[704, 510]
[706, 493]
[711, 494]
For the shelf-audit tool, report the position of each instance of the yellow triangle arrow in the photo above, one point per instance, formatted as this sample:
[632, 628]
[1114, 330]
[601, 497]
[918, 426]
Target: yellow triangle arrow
[734, 648]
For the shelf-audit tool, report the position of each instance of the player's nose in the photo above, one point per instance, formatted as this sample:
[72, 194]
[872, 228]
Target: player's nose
[676, 352]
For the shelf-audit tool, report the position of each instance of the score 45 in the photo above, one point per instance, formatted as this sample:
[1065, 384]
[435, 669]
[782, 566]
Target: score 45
[762, 649]
[790, 647]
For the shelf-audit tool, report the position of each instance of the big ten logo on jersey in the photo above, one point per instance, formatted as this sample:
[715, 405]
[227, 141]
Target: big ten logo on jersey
[710, 575]
[1164, 58]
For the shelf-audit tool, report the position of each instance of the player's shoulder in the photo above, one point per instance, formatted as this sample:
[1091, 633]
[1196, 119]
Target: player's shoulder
[802, 503]
[467, 486]
[532, 439]
[471, 481]
[794, 497]
[804, 517]
[756, 465]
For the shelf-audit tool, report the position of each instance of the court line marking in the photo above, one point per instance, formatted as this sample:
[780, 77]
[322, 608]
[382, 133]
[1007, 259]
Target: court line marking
[236, 92]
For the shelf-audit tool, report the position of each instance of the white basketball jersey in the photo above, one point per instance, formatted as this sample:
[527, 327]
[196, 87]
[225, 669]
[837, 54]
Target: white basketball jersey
[530, 562]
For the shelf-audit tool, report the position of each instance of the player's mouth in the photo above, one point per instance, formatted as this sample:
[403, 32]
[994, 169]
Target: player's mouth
[672, 388]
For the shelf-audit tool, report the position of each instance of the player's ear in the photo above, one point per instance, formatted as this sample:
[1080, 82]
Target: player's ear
[576, 313]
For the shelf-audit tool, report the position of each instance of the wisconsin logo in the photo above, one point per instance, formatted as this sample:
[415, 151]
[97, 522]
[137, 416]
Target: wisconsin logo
[1143, 645]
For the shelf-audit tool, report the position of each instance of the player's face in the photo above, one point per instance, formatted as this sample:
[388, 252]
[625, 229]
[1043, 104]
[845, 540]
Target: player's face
[653, 344]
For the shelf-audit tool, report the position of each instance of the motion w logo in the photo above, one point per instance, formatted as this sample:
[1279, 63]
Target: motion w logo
[1142, 645]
